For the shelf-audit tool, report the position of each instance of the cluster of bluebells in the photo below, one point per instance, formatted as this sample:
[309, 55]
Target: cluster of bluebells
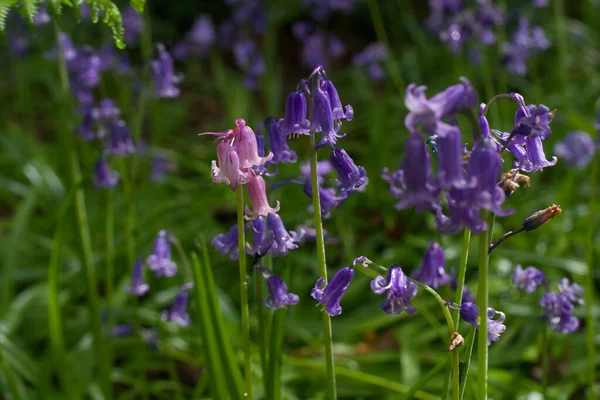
[317, 47]
[163, 74]
[469, 181]
[526, 41]
[161, 263]
[241, 33]
[464, 25]
[558, 306]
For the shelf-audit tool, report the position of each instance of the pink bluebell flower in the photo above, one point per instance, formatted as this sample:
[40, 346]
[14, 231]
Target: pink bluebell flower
[399, 290]
[331, 293]
[258, 197]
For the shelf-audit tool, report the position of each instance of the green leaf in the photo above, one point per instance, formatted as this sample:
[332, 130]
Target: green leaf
[55, 7]
[138, 5]
[110, 16]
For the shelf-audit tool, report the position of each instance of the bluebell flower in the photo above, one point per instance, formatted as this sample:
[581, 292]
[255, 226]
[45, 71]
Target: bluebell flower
[527, 279]
[160, 260]
[104, 177]
[328, 198]
[199, 40]
[469, 312]
[525, 42]
[333, 291]
[395, 181]
[119, 140]
[86, 128]
[159, 168]
[294, 120]
[399, 290]
[278, 143]
[573, 291]
[122, 330]
[534, 121]
[495, 326]
[177, 313]
[463, 213]
[350, 176]
[558, 311]
[432, 271]
[467, 296]
[262, 241]
[138, 287]
[278, 294]
[429, 113]
[577, 149]
[133, 24]
[320, 48]
[227, 243]
[163, 73]
[106, 112]
[283, 241]
[371, 57]
[322, 119]
[451, 172]
[42, 17]
[420, 191]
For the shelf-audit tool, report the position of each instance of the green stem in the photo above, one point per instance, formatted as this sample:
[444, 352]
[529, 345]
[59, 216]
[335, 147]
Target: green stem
[482, 302]
[244, 293]
[440, 301]
[462, 270]
[382, 37]
[469, 351]
[273, 391]
[544, 356]
[82, 225]
[589, 281]
[110, 267]
[561, 41]
[260, 311]
[327, 332]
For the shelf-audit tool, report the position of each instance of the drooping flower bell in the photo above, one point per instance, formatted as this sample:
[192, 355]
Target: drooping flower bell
[163, 73]
[429, 113]
[433, 272]
[322, 119]
[138, 287]
[495, 326]
[283, 241]
[558, 310]
[451, 171]
[278, 143]
[104, 177]
[178, 311]
[228, 170]
[534, 158]
[469, 312]
[577, 149]
[257, 191]
[160, 260]
[420, 191]
[527, 279]
[294, 120]
[463, 212]
[573, 291]
[350, 176]
[328, 198]
[333, 291]
[535, 122]
[399, 291]
[245, 139]
[278, 293]
[261, 240]
[227, 243]
[120, 142]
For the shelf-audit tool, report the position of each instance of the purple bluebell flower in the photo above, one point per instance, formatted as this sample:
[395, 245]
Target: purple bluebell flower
[177, 313]
[42, 17]
[324, 167]
[86, 129]
[261, 240]
[524, 43]
[573, 291]
[294, 120]
[420, 191]
[467, 296]
[462, 213]
[395, 181]
[469, 312]
[339, 112]
[320, 48]
[577, 149]
[138, 287]
[160, 260]
[558, 311]
[399, 291]
[371, 57]
[495, 326]
[534, 121]
[322, 119]
[433, 272]
[159, 168]
[283, 241]
[106, 112]
[104, 177]
[527, 279]
[120, 142]
[429, 113]
[227, 243]
[333, 291]
[122, 330]
[199, 40]
[328, 197]
[278, 294]
[484, 167]
[533, 158]
[163, 74]
[18, 44]
[350, 176]
[278, 143]
[451, 172]
[133, 24]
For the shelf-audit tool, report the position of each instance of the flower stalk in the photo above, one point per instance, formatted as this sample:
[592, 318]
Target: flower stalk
[589, 281]
[482, 302]
[244, 293]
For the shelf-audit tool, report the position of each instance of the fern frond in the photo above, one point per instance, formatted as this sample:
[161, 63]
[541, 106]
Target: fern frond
[4, 10]
[55, 7]
[111, 17]
[138, 5]
[30, 8]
